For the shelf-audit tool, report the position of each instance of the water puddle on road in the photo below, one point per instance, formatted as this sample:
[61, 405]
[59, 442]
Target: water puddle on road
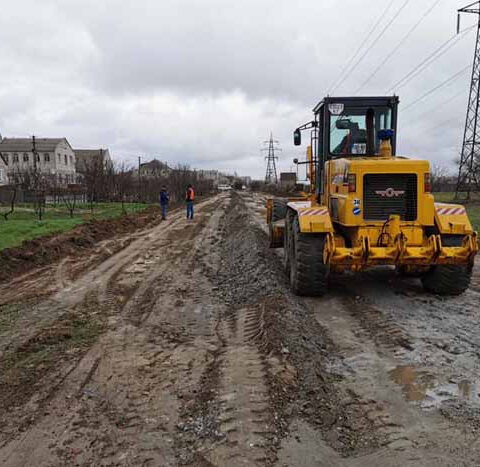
[421, 386]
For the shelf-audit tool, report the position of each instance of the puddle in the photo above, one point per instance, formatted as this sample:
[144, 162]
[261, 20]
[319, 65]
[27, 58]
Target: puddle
[423, 387]
[414, 384]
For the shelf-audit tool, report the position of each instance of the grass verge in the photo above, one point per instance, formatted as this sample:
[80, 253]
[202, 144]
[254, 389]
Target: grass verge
[23, 224]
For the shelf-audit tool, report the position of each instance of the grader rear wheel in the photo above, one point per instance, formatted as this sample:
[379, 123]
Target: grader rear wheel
[308, 273]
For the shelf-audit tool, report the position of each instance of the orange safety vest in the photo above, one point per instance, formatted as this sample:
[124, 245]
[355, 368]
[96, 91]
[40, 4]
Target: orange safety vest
[190, 194]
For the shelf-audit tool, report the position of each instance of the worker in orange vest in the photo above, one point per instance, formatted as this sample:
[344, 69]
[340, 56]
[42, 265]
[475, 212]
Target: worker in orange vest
[189, 197]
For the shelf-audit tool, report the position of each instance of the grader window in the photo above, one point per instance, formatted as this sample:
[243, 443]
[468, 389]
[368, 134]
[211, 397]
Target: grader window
[349, 129]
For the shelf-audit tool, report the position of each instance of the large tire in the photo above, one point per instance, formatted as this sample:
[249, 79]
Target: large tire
[287, 242]
[308, 273]
[447, 279]
[279, 209]
[405, 271]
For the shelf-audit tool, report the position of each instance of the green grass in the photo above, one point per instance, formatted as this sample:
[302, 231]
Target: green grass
[23, 224]
[473, 207]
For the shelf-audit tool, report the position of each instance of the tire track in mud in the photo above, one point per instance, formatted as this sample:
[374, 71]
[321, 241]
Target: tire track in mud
[229, 419]
[244, 408]
[125, 379]
[150, 361]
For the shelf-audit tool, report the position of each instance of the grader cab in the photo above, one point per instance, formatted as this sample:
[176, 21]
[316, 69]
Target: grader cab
[367, 206]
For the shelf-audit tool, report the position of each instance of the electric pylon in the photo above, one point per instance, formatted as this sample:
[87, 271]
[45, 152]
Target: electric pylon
[470, 156]
[271, 173]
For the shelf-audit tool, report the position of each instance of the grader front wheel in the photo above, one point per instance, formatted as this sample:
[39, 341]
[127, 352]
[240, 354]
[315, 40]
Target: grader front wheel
[308, 273]
[447, 279]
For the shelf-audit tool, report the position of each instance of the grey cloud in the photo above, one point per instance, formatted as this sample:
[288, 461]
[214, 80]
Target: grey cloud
[205, 82]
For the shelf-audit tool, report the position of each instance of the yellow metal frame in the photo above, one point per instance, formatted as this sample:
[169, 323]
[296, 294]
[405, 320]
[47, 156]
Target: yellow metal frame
[394, 242]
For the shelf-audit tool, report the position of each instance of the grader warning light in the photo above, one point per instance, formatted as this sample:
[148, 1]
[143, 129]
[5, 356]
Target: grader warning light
[368, 207]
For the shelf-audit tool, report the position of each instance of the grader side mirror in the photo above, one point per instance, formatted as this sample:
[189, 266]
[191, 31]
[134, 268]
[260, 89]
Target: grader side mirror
[295, 161]
[297, 137]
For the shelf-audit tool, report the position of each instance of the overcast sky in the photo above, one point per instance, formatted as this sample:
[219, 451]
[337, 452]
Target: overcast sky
[204, 82]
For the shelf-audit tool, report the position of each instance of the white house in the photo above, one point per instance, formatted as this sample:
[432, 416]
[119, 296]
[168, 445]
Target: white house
[55, 158]
[3, 171]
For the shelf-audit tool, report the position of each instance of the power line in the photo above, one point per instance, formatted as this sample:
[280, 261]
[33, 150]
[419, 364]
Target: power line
[382, 32]
[434, 56]
[437, 106]
[431, 129]
[436, 88]
[333, 86]
[402, 41]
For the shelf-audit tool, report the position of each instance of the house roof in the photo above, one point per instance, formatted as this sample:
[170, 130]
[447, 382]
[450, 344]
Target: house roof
[155, 164]
[26, 144]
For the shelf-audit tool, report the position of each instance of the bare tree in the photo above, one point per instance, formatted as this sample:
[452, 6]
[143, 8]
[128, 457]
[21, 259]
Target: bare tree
[11, 203]
[70, 197]
[439, 175]
[124, 186]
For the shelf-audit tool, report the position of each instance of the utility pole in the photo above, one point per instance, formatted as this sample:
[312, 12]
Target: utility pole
[470, 156]
[34, 151]
[271, 173]
[139, 179]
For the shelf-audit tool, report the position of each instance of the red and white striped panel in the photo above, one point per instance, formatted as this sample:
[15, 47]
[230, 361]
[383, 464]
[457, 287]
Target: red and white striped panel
[449, 210]
[314, 212]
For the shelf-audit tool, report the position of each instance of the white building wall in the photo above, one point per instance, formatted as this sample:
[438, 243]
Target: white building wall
[60, 163]
[3, 173]
[65, 162]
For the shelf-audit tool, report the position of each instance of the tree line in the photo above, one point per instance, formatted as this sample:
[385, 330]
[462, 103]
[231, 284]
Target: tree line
[98, 183]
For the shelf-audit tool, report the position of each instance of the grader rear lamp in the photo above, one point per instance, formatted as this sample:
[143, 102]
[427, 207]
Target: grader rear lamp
[352, 183]
[427, 184]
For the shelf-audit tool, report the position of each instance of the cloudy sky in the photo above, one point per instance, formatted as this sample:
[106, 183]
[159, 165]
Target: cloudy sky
[204, 82]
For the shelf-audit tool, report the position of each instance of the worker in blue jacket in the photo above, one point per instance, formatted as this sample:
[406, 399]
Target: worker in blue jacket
[164, 199]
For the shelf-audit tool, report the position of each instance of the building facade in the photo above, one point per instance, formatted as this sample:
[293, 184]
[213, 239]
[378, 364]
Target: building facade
[3, 172]
[288, 180]
[52, 158]
[90, 158]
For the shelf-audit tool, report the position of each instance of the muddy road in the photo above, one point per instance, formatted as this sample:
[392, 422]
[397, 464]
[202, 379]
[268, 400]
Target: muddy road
[183, 346]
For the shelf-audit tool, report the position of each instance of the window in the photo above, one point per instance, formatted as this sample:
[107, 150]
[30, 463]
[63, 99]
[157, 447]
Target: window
[348, 129]
[46, 157]
[71, 160]
[1, 174]
[25, 157]
[37, 157]
[59, 158]
[66, 160]
[15, 158]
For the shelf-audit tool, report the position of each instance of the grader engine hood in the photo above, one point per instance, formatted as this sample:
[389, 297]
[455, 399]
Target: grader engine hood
[369, 190]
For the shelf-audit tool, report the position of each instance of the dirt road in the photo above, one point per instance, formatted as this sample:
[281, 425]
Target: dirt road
[185, 347]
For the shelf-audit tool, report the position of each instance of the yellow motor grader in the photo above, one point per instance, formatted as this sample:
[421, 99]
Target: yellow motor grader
[367, 206]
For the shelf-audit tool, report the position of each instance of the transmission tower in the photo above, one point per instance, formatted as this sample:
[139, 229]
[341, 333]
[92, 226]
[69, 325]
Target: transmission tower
[271, 146]
[470, 156]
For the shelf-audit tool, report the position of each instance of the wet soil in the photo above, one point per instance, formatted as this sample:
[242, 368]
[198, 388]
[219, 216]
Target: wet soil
[180, 344]
[76, 242]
